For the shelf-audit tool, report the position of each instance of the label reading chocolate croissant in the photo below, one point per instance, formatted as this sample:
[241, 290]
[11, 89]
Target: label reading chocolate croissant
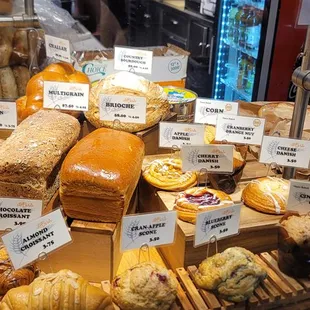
[57, 48]
[299, 196]
[220, 223]
[214, 158]
[40, 236]
[285, 152]
[8, 115]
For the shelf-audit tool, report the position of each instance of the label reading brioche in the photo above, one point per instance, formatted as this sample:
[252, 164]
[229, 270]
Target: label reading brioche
[299, 196]
[126, 109]
[41, 236]
[285, 152]
[57, 48]
[8, 115]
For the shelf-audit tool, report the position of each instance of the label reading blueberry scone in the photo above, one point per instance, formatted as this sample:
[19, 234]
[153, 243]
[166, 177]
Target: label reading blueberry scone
[299, 196]
[8, 115]
[153, 229]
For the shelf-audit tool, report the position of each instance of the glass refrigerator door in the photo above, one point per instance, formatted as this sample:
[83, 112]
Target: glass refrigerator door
[239, 41]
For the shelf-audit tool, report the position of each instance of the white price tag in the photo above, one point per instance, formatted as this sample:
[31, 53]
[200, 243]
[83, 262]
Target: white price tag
[206, 110]
[133, 60]
[8, 115]
[154, 229]
[239, 129]
[299, 196]
[179, 134]
[126, 109]
[66, 96]
[16, 212]
[285, 152]
[221, 223]
[57, 48]
[214, 158]
[43, 235]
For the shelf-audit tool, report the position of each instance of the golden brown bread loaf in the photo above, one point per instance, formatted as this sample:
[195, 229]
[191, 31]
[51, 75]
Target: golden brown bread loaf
[31, 157]
[64, 290]
[99, 175]
[126, 83]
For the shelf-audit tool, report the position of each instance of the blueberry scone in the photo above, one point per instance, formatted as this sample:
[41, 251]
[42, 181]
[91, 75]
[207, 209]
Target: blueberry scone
[146, 286]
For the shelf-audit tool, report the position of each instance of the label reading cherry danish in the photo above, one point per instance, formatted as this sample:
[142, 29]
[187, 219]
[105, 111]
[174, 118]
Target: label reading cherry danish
[57, 48]
[206, 110]
[214, 158]
[8, 115]
[285, 152]
[153, 229]
[126, 109]
[221, 223]
[43, 235]
[239, 129]
[16, 212]
[178, 134]
[299, 196]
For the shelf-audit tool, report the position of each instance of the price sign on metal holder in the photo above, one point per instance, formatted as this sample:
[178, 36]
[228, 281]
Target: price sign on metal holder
[57, 48]
[8, 115]
[299, 196]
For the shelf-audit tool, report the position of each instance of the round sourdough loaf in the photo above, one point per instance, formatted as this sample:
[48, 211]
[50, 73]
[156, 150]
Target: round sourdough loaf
[128, 84]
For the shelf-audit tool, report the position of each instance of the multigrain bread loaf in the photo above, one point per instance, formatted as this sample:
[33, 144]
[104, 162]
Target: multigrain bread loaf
[100, 174]
[30, 158]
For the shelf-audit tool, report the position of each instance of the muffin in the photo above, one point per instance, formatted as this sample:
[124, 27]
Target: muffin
[146, 286]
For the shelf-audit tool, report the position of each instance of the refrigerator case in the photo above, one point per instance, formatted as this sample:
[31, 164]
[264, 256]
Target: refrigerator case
[245, 38]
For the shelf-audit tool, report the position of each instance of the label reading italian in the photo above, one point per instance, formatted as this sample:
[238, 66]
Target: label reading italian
[285, 152]
[43, 235]
[153, 229]
[126, 109]
[206, 110]
[214, 158]
[178, 134]
[57, 48]
[133, 60]
[221, 223]
[299, 196]
[66, 96]
[8, 115]
[239, 129]
[16, 212]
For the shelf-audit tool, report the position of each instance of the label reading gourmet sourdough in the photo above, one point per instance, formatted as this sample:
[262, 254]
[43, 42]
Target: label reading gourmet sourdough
[179, 134]
[126, 109]
[206, 110]
[133, 60]
[66, 96]
[43, 235]
[8, 115]
[239, 129]
[221, 223]
[153, 229]
[214, 158]
[285, 152]
[299, 196]
[16, 212]
[57, 48]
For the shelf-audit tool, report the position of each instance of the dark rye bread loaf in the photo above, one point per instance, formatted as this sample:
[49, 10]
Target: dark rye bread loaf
[31, 157]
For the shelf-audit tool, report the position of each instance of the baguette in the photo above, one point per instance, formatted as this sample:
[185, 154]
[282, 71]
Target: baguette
[8, 83]
[6, 41]
[22, 76]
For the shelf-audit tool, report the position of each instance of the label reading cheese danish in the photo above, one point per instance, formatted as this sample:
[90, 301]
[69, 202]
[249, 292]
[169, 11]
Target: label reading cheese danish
[126, 109]
[285, 152]
[8, 115]
[219, 223]
[16, 212]
[239, 129]
[214, 158]
[57, 48]
[206, 110]
[178, 134]
[299, 196]
[153, 229]
[41, 236]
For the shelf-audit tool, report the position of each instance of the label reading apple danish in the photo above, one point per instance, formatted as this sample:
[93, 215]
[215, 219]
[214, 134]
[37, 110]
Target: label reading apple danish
[57, 48]
[153, 229]
[126, 109]
[239, 129]
[285, 152]
[221, 223]
[299, 196]
[206, 110]
[8, 115]
[214, 158]
[178, 134]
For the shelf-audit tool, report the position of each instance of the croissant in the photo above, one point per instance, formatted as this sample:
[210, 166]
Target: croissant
[64, 290]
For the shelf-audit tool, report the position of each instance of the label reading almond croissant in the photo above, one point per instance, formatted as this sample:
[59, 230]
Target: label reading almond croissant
[57, 48]
[8, 115]
[299, 196]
